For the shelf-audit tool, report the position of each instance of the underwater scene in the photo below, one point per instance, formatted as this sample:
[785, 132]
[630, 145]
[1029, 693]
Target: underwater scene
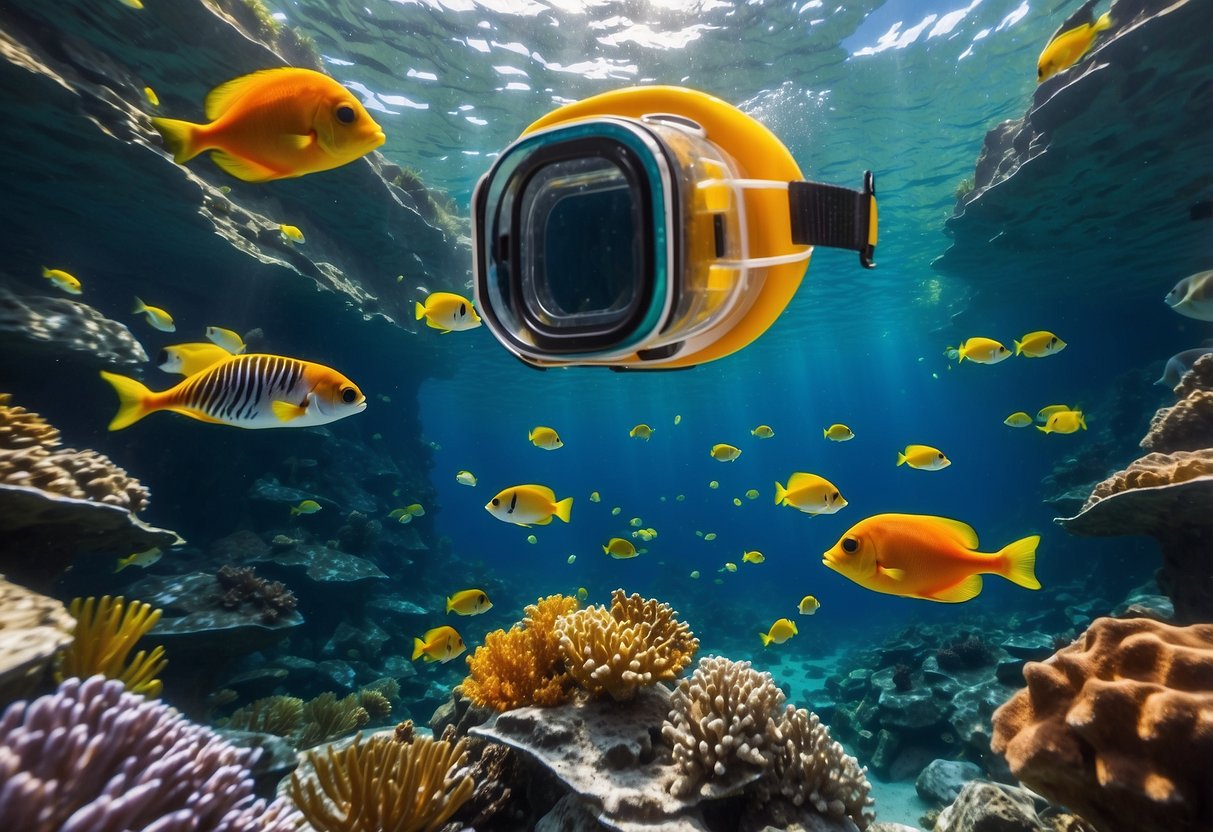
[682, 415]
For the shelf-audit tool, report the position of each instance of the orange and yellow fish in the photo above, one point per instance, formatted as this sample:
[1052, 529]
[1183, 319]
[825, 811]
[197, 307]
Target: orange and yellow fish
[922, 556]
[276, 124]
[1071, 41]
[440, 644]
[246, 391]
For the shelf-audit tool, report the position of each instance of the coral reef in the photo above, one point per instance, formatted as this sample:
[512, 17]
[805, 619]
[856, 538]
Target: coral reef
[326, 718]
[92, 756]
[965, 653]
[523, 665]
[383, 784]
[243, 586]
[633, 644]
[32, 630]
[1117, 726]
[322, 719]
[1188, 424]
[903, 677]
[65, 328]
[106, 632]
[277, 715]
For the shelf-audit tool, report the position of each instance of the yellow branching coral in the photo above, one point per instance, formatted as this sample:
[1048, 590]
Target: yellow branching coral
[524, 665]
[384, 785]
[326, 718]
[633, 644]
[279, 715]
[106, 632]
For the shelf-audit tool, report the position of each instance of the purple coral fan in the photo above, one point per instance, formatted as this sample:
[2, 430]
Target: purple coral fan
[93, 758]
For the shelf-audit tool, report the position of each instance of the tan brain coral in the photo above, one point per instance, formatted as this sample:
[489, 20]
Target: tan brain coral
[635, 643]
[1119, 726]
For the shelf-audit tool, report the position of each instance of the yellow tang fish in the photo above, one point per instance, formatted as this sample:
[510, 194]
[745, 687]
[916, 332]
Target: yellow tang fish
[523, 505]
[710, 536]
[922, 556]
[1064, 421]
[465, 478]
[753, 557]
[63, 281]
[981, 351]
[397, 513]
[1071, 41]
[468, 602]
[595, 497]
[808, 605]
[838, 433]
[582, 593]
[150, 94]
[275, 124]
[415, 509]
[188, 359]
[678, 418]
[809, 493]
[572, 559]
[695, 574]
[1018, 419]
[782, 630]
[737, 501]
[246, 391]
[615, 511]
[724, 453]
[546, 438]
[641, 431]
[1044, 413]
[292, 233]
[619, 548]
[762, 432]
[132, 4]
[752, 494]
[156, 316]
[226, 338]
[447, 312]
[1193, 296]
[306, 507]
[923, 457]
[713, 485]
[440, 644]
[635, 522]
[1039, 344]
[530, 538]
[144, 559]
[728, 567]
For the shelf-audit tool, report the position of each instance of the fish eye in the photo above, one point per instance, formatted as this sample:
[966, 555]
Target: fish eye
[162, 357]
[850, 545]
[941, 456]
[496, 502]
[345, 114]
[481, 598]
[348, 395]
[836, 496]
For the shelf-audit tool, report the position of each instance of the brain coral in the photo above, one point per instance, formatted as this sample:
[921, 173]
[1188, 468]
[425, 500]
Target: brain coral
[633, 644]
[1119, 726]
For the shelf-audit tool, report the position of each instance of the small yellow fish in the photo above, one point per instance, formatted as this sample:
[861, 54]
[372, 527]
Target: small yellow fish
[404, 518]
[546, 438]
[981, 351]
[753, 557]
[1044, 413]
[595, 497]
[188, 359]
[644, 534]
[737, 501]
[1039, 344]
[465, 478]
[150, 95]
[1064, 421]
[838, 433]
[695, 575]
[809, 493]
[415, 509]
[710, 536]
[752, 494]
[808, 605]
[678, 418]
[582, 593]
[698, 533]
[923, 457]
[619, 548]
[1192, 297]
[306, 507]
[63, 281]
[724, 453]
[1018, 419]
[226, 338]
[397, 513]
[635, 522]
[530, 538]
[157, 317]
[780, 631]
[292, 233]
[399, 278]
[523, 505]
[447, 312]
[144, 559]
[1071, 41]
[572, 559]
[225, 189]
[728, 567]
[132, 4]
[641, 431]
[680, 498]
[440, 644]
[652, 533]
[762, 432]
[468, 602]
[615, 511]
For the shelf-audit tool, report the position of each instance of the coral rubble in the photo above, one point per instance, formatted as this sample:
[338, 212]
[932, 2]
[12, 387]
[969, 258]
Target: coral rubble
[242, 585]
[1118, 726]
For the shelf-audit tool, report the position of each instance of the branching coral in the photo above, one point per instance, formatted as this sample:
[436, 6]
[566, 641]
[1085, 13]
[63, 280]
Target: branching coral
[1118, 726]
[279, 715]
[375, 704]
[384, 785]
[94, 757]
[524, 665]
[106, 632]
[326, 718]
[243, 586]
[633, 644]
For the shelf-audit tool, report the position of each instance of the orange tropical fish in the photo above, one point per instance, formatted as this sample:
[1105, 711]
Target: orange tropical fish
[276, 124]
[921, 556]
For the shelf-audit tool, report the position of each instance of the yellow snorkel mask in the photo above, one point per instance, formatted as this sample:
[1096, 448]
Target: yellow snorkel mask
[650, 228]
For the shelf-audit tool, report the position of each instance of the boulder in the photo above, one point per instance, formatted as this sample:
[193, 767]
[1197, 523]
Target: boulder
[941, 781]
[982, 806]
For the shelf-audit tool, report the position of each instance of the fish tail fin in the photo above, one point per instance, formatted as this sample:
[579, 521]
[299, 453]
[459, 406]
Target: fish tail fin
[901, 458]
[122, 564]
[1019, 562]
[448, 606]
[1082, 420]
[419, 310]
[132, 400]
[180, 137]
[564, 508]
[294, 510]
[140, 306]
[1018, 347]
[766, 640]
[825, 433]
[1104, 22]
[418, 649]
[781, 493]
[46, 272]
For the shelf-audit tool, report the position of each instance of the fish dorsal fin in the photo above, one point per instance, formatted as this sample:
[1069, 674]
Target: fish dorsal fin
[963, 533]
[545, 491]
[960, 592]
[801, 480]
[244, 169]
[1084, 15]
[221, 98]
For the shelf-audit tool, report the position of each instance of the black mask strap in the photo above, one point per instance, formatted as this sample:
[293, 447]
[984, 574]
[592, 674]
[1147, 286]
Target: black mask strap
[827, 215]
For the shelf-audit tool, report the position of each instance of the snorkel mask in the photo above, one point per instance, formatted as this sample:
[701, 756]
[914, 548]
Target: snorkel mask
[650, 228]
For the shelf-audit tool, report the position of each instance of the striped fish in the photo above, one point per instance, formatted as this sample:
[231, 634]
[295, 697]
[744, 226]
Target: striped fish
[246, 391]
